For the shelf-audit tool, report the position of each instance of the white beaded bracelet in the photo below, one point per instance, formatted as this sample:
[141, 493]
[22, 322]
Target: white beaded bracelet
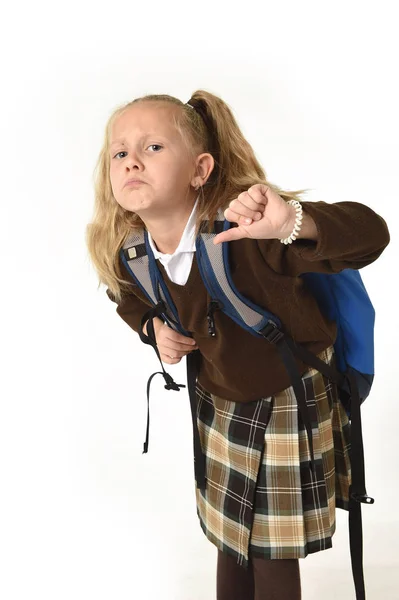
[298, 222]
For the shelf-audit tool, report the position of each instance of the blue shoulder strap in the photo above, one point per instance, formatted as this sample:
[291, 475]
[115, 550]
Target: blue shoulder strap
[213, 264]
[138, 258]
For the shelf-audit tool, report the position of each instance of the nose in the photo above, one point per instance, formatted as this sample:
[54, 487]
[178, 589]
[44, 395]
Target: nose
[134, 163]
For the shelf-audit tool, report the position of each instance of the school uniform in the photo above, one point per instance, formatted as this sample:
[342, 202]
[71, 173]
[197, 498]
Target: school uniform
[261, 499]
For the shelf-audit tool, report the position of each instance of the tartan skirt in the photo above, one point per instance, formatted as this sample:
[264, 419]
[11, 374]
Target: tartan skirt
[261, 498]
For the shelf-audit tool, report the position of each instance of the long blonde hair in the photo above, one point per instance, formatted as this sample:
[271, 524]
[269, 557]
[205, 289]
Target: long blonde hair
[236, 169]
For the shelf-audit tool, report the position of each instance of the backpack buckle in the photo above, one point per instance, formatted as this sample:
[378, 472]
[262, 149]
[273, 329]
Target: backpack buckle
[362, 498]
[271, 332]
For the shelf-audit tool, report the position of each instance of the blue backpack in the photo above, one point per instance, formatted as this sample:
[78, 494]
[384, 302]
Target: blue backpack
[342, 297]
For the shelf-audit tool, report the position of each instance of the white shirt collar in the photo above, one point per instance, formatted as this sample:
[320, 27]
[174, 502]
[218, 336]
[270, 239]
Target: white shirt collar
[187, 241]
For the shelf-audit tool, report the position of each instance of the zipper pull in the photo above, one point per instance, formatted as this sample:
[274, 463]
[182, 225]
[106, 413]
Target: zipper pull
[213, 305]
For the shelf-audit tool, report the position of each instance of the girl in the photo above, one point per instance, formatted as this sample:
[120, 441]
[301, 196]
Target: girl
[165, 167]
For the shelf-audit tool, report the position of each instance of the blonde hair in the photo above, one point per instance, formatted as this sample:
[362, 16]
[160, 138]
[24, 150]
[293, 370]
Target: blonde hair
[236, 169]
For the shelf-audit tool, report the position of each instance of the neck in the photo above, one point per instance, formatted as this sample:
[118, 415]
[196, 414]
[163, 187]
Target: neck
[167, 231]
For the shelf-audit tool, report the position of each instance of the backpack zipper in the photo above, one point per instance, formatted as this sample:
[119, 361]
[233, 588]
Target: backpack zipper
[212, 306]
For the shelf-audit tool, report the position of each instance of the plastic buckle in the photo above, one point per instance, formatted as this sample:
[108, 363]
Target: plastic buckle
[362, 498]
[171, 384]
[271, 332]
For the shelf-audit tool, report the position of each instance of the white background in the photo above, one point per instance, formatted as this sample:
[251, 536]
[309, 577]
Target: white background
[313, 85]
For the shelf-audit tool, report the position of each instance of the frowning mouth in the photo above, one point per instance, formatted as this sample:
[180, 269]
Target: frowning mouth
[134, 183]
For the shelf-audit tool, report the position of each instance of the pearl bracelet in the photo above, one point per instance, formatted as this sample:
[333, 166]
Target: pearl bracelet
[298, 222]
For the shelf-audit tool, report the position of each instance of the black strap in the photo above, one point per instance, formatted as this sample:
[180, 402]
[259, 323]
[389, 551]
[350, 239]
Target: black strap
[297, 383]
[357, 489]
[287, 348]
[151, 339]
[193, 359]
[328, 370]
[192, 373]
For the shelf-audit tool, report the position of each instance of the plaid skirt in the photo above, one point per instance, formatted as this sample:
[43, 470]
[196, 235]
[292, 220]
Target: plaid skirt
[261, 498]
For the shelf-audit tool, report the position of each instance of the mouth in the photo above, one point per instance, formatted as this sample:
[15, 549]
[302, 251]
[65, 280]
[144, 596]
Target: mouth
[134, 183]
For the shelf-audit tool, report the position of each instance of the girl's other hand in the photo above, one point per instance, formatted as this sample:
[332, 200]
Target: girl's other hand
[172, 345]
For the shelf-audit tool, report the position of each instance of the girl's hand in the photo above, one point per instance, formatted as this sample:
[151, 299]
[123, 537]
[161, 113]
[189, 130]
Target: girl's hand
[269, 216]
[172, 345]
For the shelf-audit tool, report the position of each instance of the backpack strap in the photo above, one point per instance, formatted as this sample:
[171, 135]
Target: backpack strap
[213, 264]
[138, 258]
[357, 491]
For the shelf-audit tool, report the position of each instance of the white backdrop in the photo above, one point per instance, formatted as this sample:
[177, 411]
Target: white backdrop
[84, 514]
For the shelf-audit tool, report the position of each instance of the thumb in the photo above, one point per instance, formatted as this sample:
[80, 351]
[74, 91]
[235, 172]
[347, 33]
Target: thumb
[235, 233]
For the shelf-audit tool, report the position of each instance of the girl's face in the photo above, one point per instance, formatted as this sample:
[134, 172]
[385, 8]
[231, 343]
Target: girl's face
[145, 145]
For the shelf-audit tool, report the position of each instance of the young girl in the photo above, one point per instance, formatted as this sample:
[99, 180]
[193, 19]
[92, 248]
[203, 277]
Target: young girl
[165, 167]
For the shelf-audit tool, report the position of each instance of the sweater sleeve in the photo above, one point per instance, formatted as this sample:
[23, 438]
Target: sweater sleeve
[350, 236]
[131, 309]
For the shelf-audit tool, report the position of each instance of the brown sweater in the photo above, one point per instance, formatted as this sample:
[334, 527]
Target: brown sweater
[236, 365]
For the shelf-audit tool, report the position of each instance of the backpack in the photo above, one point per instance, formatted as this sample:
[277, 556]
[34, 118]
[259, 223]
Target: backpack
[342, 297]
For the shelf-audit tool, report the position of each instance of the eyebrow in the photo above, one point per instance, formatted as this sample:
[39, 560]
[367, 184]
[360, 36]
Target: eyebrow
[122, 140]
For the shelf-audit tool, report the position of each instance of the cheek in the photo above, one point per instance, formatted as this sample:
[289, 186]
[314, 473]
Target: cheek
[117, 180]
[115, 191]
[173, 175]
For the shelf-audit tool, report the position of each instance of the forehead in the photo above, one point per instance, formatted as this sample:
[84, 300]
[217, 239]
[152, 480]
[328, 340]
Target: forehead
[139, 121]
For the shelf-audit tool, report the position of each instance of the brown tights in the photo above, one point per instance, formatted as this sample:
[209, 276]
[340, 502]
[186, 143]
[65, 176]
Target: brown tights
[265, 579]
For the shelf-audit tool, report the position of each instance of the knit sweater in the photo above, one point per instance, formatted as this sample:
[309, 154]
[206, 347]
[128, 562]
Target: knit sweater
[236, 365]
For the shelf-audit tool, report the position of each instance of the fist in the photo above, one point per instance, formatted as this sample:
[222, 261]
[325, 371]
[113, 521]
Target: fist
[260, 214]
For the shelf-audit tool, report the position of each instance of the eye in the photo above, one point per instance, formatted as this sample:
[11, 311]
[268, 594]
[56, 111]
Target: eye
[124, 152]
